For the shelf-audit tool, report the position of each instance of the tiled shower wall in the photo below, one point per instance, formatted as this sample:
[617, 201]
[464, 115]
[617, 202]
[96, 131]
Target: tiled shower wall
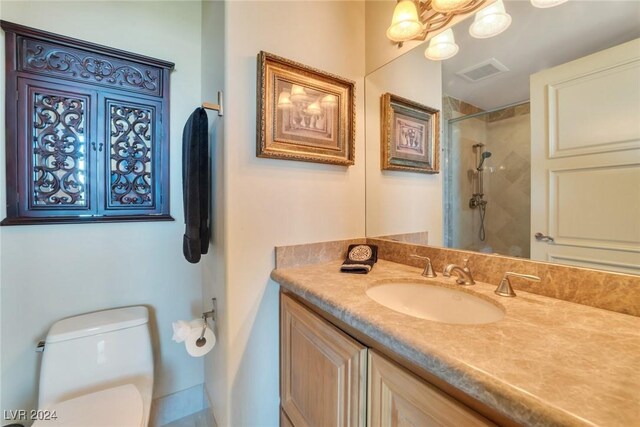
[507, 185]
[508, 181]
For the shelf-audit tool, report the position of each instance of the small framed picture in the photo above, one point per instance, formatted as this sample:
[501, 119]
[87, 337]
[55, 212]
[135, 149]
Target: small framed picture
[303, 113]
[410, 135]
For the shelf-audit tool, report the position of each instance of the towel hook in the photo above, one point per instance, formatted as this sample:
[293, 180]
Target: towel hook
[217, 107]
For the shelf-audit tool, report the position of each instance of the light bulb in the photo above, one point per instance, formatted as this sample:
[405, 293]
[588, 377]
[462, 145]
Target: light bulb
[284, 100]
[328, 101]
[445, 6]
[543, 4]
[443, 46]
[490, 21]
[405, 23]
[314, 108]
[297, 93]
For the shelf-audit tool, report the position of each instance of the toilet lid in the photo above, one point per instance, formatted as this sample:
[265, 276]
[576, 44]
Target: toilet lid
[114, 407]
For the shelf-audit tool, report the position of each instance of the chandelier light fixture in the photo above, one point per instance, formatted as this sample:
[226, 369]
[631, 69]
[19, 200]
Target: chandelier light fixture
[416, 19]
[405, 24]
[543, 4]
[447, 6]
[443, 46]
[490, 21]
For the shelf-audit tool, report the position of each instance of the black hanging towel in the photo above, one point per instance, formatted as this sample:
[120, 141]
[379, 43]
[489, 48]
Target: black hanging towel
[195, 185]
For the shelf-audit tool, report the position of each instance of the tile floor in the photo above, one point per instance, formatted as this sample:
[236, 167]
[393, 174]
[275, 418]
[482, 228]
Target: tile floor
[199, 419]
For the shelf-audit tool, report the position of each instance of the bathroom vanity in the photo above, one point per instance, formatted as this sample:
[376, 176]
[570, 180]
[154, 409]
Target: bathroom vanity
[348, 360]
[326, 375]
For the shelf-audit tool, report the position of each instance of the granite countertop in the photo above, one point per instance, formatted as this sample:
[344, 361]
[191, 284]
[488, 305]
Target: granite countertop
[547, 362]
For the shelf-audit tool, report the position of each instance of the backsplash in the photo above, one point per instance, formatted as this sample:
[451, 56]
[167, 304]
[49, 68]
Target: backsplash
[313, 253]
[609, 291]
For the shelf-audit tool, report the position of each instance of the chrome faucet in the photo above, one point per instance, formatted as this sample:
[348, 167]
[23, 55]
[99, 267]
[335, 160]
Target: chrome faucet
[428, 269]
[464, 273]
[504, 289]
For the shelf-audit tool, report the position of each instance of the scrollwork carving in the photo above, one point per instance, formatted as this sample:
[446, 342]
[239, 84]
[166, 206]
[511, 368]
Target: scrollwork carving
[78, 65]
[58, 151]
[131, 151]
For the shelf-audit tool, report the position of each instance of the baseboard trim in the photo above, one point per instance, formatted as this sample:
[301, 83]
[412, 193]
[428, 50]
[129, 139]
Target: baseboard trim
[172, 407]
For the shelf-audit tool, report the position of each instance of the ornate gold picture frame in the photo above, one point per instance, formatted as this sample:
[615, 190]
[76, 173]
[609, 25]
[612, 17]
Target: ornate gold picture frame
[303, 113]
[410, 135]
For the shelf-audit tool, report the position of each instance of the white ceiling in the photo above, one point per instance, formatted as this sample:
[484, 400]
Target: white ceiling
[537, 39]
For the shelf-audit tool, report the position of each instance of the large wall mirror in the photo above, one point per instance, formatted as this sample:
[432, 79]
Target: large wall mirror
[539, 141]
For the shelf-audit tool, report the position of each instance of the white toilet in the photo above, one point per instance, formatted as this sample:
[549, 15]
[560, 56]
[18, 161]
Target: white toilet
[97, 370]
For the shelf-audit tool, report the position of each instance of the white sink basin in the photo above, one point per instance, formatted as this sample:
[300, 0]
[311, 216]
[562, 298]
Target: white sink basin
[436, 303]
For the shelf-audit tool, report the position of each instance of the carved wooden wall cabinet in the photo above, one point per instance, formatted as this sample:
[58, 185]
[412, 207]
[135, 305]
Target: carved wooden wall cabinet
[87, 131]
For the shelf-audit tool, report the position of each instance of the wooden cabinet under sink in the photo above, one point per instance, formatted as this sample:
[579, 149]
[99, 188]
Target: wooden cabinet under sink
[327, 378]
[396, 397]
[322, 370]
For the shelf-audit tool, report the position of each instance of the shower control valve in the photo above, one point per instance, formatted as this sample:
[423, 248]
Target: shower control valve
[477, 200]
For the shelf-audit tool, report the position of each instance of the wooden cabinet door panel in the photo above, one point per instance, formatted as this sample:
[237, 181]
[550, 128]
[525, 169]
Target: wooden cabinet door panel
[397, 398]
[284, 420]
[55, 158]
[322, 373]
[87, 130]
[131, 167]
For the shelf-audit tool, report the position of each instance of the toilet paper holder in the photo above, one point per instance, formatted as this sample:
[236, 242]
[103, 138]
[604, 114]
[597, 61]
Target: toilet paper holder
[211, 314]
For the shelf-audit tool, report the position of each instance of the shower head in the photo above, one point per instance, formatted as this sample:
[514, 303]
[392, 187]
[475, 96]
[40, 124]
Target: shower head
[483, 157]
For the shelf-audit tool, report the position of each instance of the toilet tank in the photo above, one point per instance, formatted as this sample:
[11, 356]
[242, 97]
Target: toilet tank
[94, 351]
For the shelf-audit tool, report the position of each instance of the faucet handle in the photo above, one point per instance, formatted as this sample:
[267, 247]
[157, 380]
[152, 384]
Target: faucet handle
[428, 269]
[504, 289]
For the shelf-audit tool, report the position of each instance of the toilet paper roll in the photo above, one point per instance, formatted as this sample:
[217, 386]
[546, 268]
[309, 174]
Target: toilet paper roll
[182, 329]
[192, 347]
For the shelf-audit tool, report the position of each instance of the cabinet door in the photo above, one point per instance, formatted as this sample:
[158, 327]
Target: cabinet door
[398, 398]
[284, 420]
[322, 370]
[55, 169]
[132, 162]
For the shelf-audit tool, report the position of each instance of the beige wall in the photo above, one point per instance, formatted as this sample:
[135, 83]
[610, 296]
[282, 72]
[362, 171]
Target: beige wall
[54, 271]
[2, 198]
[402, 202]
[213, 264]
[275, 202]
[379, 49]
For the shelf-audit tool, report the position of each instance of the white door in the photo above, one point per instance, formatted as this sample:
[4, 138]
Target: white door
[585, 161]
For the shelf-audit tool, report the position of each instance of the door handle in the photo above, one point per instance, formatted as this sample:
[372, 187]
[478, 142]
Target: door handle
[542, 238]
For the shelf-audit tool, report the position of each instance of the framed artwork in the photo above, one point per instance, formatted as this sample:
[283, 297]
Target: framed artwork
[410, 135]
[304, 114]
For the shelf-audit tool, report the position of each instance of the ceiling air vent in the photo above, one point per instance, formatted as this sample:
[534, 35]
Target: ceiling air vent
[483, 70]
